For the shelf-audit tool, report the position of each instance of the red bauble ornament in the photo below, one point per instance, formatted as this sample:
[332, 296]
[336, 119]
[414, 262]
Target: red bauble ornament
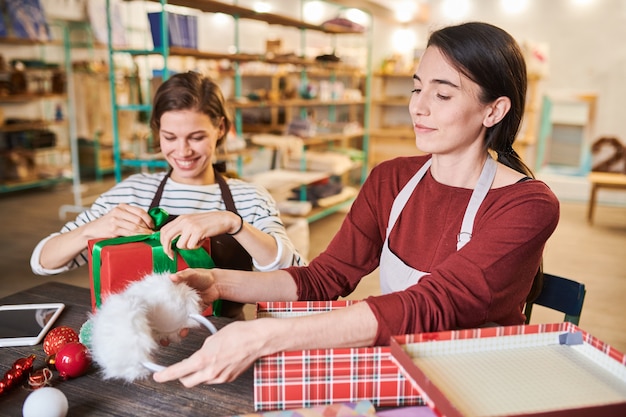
[18, 371]
[72, 360]
[57, 338]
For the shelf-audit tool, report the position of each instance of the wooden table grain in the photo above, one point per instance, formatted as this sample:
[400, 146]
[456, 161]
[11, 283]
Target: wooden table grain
[90, 395]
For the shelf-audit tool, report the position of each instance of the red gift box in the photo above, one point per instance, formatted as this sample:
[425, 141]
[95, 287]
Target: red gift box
[122, 263]
[553, 369]
[306, 378]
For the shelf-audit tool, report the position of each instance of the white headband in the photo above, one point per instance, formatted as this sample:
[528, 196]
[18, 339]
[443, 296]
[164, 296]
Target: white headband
[127, 328]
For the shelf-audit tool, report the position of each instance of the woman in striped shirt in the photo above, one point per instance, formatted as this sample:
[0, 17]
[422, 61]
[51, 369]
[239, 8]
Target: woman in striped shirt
[190, 120]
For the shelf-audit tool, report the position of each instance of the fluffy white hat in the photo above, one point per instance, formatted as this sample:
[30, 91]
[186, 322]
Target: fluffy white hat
[127, 328]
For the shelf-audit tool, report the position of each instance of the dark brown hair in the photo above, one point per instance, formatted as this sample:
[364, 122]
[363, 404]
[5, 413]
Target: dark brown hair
[190, 91]
[491, 58]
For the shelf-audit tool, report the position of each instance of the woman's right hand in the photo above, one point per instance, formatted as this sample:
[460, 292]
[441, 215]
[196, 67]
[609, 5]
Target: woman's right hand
[223, 356]
[123, 220]
[201, 280]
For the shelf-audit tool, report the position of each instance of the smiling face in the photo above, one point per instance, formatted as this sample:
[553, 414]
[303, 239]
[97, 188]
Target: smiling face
[188, 139]
[445, 109]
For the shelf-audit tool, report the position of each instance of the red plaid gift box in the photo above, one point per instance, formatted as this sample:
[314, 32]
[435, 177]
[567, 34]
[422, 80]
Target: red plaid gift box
[553, 369]
[307, 378]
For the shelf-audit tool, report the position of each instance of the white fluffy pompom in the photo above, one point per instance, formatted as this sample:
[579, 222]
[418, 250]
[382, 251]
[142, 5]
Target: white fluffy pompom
[127, 328]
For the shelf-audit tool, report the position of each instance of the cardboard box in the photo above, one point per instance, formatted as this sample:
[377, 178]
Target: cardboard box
[298, 379]
[533, 370]
[27, 19]
[122, 263]
[182, 30]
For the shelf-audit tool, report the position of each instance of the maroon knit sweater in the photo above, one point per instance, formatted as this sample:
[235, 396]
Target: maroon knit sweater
[487, 281]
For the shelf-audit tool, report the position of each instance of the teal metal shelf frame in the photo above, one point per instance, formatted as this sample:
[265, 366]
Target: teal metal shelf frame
[163, 50]
[237, 13]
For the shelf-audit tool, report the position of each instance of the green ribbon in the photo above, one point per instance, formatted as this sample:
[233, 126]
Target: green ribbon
[194, 258]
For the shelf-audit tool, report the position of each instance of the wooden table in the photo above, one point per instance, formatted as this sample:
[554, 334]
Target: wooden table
[611, 180]
[90, 395]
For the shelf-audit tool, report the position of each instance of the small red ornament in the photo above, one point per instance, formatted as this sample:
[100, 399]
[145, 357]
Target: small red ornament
[72, 360]
[57, 338]
[18, 371]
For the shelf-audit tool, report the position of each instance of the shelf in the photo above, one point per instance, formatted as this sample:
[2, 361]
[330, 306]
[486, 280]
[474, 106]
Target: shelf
[19, 98]
[407, 75]
[319, 139]
[244, 13]
[400, 132]
[135, 107]
[313, 69]
[331, 137]
[321, 68]
[18, 185]
[31, 125]
[145, 163]
[320, 212]
[280, 182]
[25, 41]
[392, 101]
[293, 103]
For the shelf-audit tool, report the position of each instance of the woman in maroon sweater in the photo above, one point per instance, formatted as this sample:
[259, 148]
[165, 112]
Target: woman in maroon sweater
[458, 236]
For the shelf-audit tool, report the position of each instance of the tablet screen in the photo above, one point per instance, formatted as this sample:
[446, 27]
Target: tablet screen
[26, 324]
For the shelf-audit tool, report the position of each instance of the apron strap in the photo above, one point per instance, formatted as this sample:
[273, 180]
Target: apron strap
[483, 186]
[156, 200]
[226, 194]
[404, 194]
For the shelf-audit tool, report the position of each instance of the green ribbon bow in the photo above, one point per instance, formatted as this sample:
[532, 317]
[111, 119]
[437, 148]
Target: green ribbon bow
[195, 258]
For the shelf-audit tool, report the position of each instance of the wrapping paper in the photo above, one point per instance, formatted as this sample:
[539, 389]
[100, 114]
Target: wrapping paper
[118, 263]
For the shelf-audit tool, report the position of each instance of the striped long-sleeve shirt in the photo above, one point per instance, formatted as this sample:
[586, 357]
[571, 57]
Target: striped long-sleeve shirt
[254, 204]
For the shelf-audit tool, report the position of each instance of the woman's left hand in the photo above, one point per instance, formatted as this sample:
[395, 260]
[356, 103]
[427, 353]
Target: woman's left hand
[222, 358]
[193, 229]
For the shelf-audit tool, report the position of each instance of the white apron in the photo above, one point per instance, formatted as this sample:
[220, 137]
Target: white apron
[395, 275]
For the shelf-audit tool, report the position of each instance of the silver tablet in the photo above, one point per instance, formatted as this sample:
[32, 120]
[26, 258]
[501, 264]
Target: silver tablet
[27, 324]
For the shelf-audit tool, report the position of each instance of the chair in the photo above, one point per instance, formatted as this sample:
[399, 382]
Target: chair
[560, 294]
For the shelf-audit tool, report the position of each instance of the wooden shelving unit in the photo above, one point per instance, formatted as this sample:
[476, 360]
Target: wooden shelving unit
[281, 110]
[27, 162]
[391, 134]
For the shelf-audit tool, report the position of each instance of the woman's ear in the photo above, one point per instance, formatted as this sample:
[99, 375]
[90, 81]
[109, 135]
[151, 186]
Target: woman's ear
[222, 128]
[496, 111]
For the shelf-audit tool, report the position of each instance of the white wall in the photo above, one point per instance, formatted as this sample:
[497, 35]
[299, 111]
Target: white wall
[587, 49]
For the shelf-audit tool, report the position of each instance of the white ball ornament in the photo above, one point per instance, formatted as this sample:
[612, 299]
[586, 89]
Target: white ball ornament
[45, 402]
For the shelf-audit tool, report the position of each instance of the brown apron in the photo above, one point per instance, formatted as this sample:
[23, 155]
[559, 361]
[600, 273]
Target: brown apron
[226, 252]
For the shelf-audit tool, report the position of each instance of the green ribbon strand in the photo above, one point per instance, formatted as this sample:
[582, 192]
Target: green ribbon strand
[194, 258]
[159, 216]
